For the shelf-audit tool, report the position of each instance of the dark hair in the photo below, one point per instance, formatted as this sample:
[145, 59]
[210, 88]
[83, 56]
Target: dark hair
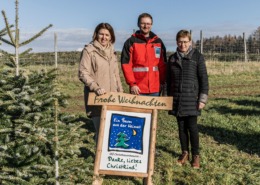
[142, 16]
[104, 26]
[183, 33]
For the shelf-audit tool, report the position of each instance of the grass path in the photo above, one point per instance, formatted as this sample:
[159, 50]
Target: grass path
[229, 130]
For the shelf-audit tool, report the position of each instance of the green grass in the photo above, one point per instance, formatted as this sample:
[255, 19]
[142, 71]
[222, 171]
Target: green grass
[229, 130]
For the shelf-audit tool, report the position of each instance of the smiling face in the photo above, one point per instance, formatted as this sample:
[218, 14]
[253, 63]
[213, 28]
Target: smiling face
[103, 37]
[183, 44]
[183, 39]
[145, 25]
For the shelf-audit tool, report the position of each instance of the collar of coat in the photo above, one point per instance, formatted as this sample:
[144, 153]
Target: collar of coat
[186, 55]
[152, 36]
[96, 47]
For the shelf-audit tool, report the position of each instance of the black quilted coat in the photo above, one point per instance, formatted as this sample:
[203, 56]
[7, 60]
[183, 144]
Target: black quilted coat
[187, 82]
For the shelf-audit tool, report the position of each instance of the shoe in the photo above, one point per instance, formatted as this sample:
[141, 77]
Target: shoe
[195, 163]
[183, 158]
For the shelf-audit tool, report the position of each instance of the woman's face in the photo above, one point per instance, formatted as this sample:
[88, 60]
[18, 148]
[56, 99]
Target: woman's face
[103, 37]
[183, 44]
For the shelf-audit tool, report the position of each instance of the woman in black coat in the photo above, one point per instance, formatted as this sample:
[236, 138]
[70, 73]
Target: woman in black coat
[187, 82]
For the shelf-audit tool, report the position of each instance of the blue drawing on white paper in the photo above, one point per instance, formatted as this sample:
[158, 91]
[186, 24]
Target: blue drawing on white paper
[126, 133]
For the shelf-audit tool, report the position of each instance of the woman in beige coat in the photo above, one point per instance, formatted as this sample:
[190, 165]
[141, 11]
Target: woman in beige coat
[98, 69]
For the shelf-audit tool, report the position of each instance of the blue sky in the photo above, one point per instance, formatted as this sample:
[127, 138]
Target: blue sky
[74, 20]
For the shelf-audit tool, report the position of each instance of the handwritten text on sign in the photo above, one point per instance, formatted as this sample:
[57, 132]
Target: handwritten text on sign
[122, 99]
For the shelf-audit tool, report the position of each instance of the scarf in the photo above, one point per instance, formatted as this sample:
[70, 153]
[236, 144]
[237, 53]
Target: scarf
[181, 54]
[107, 52]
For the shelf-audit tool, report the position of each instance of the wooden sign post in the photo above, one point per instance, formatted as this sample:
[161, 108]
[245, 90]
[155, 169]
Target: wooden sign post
[127, 134]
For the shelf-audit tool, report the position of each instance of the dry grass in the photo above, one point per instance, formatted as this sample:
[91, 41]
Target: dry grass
[229, 68]
[229, 128]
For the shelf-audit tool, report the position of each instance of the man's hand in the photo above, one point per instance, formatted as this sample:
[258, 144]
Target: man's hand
[135, 90]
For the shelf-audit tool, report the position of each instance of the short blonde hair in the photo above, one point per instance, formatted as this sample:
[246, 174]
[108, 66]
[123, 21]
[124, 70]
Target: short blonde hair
[183, 33]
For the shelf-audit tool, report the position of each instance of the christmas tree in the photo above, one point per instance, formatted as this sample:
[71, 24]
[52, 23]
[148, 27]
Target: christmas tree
[38, 143]
[121, 140]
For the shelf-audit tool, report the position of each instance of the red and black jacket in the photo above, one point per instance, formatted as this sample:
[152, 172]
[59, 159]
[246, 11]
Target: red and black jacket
[144, 62]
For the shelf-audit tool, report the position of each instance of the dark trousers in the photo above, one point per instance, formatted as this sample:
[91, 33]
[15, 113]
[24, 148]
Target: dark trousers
[188, 133]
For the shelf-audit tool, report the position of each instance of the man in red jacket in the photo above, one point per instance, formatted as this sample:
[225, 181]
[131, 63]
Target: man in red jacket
[143, 59]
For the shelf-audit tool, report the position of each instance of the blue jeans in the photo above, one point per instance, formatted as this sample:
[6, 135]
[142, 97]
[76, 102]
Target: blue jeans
[151, 94]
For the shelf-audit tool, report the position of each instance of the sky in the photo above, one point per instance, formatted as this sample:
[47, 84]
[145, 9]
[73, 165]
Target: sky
[75, 20]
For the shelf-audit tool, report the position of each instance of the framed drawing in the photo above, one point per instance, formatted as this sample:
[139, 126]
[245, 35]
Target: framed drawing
[127, 134]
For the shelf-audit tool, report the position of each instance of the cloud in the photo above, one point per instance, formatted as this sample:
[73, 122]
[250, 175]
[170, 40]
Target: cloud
[75, 39]
[67, 40]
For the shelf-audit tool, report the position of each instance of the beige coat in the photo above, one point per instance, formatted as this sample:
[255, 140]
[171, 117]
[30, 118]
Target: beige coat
[98, 68]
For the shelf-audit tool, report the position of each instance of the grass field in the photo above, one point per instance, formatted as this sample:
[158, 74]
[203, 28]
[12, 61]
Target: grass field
[229, 130]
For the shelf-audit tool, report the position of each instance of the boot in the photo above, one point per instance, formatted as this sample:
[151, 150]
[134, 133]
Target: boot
[195, 163]
[183, 158]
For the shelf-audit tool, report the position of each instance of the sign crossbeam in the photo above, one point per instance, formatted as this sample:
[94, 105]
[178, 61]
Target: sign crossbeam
[128, 100]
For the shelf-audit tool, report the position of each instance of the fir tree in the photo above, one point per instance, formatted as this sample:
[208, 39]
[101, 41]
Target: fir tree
[121, 140]
[28, 140]
[14, 39]
[34, 135]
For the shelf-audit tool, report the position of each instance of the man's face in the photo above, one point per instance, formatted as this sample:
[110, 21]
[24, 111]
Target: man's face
[145, 25]
[183, 44]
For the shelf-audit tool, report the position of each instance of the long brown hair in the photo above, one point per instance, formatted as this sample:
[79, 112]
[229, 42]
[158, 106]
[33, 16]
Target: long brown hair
[107, 27]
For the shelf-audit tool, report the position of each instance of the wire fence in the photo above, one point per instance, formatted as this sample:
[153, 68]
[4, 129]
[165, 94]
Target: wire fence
[217, 49]
[229, 48]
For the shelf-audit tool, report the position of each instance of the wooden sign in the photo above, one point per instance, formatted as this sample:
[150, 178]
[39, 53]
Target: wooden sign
[127, 134]
[129, 100]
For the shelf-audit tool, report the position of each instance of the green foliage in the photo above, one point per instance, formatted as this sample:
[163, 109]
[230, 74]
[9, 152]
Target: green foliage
[36, 140]
[28, 141]
[229, 130]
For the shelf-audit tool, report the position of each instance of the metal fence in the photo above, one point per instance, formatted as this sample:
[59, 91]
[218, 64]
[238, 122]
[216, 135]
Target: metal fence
[229, 48]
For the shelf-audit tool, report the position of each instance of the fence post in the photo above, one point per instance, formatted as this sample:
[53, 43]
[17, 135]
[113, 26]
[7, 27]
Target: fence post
[245, 51]
[201, 42]
[191, 37]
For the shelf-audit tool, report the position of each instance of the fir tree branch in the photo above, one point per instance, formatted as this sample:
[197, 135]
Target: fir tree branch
[6, 41]
[11, 58]
[17, 34]
[8, 28]
[5, 53]
[4, 32]
[36, 36]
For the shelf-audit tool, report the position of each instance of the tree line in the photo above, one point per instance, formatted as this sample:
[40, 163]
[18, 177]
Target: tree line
[231, 44]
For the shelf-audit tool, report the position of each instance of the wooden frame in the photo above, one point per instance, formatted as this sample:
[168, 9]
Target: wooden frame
[125, 110]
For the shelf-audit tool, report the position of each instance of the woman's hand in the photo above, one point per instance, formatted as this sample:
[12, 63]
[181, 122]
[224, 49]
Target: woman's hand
[201, 105]
[101, 91]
